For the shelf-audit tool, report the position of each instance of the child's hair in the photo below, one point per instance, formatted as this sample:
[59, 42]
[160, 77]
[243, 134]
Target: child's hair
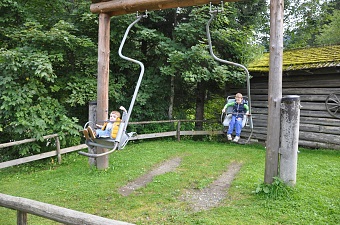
[238, 95]
[116, 113]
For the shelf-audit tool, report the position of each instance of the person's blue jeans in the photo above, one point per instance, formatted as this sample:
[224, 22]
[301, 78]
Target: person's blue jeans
[103, 133]
[235, 123]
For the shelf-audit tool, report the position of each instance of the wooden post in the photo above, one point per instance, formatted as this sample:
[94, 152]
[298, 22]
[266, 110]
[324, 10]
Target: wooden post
[58, 149]
[178, 131]
[274, 89]
[103, 79]
[21, 218]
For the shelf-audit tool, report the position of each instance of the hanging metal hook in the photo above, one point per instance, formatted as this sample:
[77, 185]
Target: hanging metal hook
[217, 8]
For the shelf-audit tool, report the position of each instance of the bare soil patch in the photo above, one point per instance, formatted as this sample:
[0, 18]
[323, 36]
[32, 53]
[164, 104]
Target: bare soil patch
[215, 193]
[199, 200]
[142, 181]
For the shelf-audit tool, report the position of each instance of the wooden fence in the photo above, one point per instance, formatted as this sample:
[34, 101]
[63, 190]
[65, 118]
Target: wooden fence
[52, 212]
[58, 152]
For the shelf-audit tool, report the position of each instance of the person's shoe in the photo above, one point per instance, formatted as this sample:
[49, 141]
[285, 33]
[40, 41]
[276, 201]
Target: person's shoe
[229, 137]
[91, 132]
[236, 139]
[86, 134]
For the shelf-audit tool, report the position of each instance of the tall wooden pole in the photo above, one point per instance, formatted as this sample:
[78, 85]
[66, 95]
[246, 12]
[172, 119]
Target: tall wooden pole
[274, 89]
[103, 79]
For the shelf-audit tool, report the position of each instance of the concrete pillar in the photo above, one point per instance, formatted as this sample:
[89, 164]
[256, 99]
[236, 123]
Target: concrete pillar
[92, 118]
[289, 139]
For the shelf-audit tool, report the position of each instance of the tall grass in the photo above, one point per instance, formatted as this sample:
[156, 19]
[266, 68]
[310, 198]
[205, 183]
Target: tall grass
[75, 185]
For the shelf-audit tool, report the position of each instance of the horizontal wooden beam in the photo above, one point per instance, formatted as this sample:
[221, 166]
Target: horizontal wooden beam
[122, 7]
[53, 212]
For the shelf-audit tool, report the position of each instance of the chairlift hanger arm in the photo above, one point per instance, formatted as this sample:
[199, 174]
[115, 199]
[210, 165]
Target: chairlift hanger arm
[213, 14]
[121, 138]
[122, 7]
[142, 69]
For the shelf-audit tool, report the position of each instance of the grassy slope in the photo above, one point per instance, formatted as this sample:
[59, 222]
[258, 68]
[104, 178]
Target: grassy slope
[75, 185]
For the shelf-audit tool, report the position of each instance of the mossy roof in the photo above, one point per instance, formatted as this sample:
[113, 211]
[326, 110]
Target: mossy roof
[300, 59]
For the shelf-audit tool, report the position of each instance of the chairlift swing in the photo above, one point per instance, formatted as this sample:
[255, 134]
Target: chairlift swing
[122, 137]
[226, 116]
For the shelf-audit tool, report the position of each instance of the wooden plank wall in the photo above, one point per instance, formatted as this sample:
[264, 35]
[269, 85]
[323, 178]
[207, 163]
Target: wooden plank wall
[318, 129]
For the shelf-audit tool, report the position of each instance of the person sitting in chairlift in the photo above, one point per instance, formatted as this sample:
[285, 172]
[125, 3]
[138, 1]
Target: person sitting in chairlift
[240, 108]
[108, 129]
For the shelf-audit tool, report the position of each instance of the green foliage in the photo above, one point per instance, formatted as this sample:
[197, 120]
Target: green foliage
[310, 23]
[37, 59]
[330, 33]
[276, 190]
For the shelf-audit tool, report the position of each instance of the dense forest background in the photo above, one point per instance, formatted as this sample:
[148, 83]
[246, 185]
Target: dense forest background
[48, 61]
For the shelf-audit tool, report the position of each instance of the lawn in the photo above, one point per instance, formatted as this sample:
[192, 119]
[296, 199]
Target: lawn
[74, 185]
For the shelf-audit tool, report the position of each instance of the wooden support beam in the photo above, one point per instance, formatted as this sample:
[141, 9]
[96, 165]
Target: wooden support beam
[122, 7]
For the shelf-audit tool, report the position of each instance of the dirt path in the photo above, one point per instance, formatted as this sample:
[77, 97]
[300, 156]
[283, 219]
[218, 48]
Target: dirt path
[215, 193]
[142, 181]
[199, 200]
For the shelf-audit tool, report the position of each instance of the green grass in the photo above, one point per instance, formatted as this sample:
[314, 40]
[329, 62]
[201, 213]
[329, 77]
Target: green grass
[74, 185]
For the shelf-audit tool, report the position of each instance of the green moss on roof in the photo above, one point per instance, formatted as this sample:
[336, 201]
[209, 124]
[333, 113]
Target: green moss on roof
[299, 59]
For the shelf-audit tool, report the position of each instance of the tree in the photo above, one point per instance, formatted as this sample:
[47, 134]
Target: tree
[305, 20]
[330, 33]
[40, 64]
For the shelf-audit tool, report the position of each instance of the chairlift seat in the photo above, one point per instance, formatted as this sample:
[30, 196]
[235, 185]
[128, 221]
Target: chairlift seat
[107, 142]
[229, 112]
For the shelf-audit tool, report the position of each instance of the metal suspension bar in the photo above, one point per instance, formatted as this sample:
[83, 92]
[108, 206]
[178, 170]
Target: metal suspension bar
[212, 16]
[125, 122]
[134, 61]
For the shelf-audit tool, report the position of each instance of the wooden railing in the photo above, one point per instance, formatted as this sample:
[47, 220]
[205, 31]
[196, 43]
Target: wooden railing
[178, 132]
[52, 212]
[58, 152]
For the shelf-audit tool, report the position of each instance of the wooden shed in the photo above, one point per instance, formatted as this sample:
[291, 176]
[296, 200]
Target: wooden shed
[314, 75]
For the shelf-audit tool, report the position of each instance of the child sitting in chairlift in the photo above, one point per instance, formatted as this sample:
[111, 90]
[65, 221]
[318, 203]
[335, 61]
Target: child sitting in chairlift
[240, 108]
[108, 129]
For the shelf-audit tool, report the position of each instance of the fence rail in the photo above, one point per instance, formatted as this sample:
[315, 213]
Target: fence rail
[52, 212]
[58, 152]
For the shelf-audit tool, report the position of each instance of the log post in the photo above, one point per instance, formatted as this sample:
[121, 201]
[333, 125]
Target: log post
[58, 149]
[178, 131]
[103, 80]
[21, 218]
[274, 90]
[289, 144]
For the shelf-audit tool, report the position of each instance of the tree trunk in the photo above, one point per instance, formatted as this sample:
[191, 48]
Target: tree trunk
[200, 97]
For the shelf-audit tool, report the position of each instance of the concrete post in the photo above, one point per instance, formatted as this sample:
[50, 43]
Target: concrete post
[92, 118]
[289, 139]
